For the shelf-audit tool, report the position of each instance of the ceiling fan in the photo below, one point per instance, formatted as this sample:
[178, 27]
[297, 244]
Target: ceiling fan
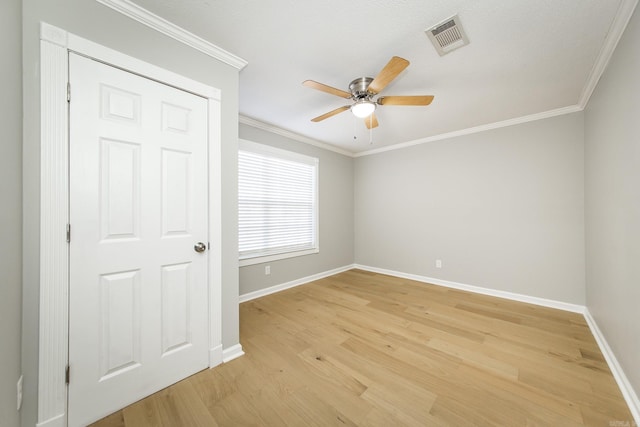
[363, 91]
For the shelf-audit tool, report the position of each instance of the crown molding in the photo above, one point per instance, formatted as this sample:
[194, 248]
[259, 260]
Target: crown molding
[619, 24]
[468, 131]
[475, 129]
[151, 20]
[249, 121]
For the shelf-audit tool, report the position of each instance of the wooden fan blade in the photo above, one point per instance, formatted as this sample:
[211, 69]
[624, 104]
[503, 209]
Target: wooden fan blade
[324, 88]
[388, 73]
[371, 121]
[405, 100]
[330, 114]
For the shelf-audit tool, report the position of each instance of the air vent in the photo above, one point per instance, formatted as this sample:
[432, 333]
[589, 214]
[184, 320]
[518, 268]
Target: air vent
[447, 35]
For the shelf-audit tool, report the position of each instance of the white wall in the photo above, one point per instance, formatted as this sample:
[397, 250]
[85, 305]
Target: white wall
[612, 175]
[95, 22]
[335, 217]
[502, 209]
[11, 211]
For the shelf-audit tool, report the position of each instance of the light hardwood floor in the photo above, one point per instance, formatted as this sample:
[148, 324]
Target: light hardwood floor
[367, 349]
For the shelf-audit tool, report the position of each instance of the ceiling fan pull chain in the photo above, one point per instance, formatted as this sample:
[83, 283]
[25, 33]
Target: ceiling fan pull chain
[371, 129]
[354, 128]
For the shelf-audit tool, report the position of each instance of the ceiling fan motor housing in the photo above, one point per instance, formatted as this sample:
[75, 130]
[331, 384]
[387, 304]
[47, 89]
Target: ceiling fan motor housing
[358, 88]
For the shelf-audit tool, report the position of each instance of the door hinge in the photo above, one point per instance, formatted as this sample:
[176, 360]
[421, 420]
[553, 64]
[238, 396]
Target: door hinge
[68, 233]
[66, 374]
[68, 92]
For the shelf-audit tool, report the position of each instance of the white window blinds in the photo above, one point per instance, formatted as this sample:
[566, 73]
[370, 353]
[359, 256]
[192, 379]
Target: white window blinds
[277, 203]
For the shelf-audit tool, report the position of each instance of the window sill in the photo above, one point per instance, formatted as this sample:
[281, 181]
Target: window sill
[276, 257]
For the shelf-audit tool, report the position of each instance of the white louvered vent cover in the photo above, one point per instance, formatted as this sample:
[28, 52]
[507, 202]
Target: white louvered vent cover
[447, 35]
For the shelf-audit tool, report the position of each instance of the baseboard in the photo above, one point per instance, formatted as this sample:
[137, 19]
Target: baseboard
[57, 421]
[215, 356]
[627, 390]
[233, 352]
[560, 305]
[281, 287]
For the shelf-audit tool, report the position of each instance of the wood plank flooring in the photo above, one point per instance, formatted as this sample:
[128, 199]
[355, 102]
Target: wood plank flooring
[364, 349]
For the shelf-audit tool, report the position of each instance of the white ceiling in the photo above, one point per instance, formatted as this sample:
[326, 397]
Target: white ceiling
[525, 57]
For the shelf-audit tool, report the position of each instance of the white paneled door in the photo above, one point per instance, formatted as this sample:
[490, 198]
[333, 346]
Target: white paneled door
[138, 295]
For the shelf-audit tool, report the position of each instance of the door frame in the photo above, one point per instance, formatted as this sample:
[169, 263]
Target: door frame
[55, 45]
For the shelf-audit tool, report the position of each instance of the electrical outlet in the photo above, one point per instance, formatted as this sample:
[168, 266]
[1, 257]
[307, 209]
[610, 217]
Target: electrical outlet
[19, 392]
[438, 263]
[267, 270]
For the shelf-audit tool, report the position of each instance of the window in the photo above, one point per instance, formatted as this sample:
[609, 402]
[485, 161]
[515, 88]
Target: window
[277, 203]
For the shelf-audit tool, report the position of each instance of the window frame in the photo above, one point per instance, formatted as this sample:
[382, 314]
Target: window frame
[270, 151]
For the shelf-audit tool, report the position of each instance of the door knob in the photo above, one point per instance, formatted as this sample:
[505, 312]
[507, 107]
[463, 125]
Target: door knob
[200, 247]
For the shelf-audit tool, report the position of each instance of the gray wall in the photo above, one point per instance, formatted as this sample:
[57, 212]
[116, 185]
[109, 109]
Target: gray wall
[335, 217]
[11, 211]
[502, 209]
[100, 24]
[612, 192]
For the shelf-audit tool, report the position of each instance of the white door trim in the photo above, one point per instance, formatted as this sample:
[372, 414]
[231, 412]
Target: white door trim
[55, 45]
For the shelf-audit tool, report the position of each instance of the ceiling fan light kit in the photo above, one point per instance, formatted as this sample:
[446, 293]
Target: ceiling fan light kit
[363, 108]
[363, 92]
